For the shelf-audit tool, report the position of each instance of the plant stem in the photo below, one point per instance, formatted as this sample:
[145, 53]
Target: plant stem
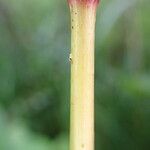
[82, 76]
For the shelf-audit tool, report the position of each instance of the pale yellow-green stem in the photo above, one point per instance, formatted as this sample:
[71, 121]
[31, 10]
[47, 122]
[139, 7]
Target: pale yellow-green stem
[83, 18]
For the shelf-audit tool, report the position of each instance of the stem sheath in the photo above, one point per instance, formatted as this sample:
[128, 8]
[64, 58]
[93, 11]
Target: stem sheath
[82, 76]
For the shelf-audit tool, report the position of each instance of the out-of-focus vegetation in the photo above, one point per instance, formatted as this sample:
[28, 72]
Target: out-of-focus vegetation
[34, 75]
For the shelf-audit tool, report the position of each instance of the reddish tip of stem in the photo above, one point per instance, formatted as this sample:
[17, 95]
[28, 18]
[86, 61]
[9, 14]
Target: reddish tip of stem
[84, 2]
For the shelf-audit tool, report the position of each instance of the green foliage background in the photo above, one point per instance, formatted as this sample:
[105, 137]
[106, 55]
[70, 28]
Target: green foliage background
[35, 75]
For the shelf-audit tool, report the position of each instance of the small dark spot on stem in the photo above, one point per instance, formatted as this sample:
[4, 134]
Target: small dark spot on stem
[82, 145]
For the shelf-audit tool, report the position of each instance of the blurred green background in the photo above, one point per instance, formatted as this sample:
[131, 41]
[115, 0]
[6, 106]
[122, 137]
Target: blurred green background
[35, 75]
